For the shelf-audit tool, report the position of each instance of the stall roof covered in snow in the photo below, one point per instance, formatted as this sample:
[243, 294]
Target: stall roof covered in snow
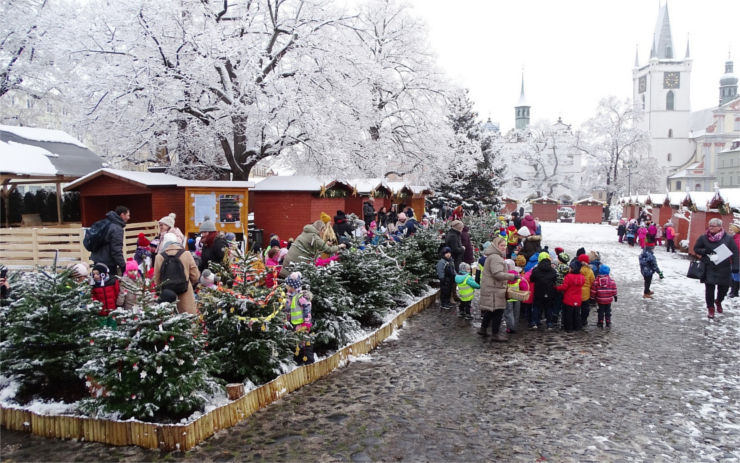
[289, 183]
[366, 185]
[156, 179]
[589, 200]
[731, 196]
[32, 152]
[700, 199]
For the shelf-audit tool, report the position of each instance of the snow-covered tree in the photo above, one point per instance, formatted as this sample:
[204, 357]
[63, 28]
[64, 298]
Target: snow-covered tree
[611, 139]
[46, 335]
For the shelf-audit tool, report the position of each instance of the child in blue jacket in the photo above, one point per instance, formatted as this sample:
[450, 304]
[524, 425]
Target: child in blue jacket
[446, 275]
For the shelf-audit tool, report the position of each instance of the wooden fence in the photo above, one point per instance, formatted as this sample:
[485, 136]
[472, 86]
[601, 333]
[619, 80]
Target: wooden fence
[187, 436]
[32, 247]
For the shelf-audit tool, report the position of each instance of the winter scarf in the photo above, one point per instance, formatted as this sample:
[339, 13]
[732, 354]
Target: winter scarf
[717, 236]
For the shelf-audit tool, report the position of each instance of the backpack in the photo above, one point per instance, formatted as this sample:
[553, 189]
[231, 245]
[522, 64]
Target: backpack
[95, 235]
[172, 273]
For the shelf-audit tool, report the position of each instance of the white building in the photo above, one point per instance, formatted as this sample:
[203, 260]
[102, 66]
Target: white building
[684, 143]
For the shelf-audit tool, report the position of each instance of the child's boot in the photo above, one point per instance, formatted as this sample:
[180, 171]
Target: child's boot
[468, 315]
[718, 304]
[710, 312]
[600, 323]
[608, 323]
[460, 312]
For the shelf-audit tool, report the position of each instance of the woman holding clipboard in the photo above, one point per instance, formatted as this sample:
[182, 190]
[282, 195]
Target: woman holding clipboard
[718, 251]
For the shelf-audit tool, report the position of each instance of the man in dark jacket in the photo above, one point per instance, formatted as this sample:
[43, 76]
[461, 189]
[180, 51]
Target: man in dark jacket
[468, 256]
[453, 240]
[342, 227]
[214, 246]
[543, 278]
[111, 252]
[368, 212]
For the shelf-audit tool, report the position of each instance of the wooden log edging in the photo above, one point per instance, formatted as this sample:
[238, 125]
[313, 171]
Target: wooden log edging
[184, 437]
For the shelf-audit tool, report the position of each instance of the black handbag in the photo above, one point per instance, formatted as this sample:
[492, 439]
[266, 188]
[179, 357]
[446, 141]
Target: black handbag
[697, 269]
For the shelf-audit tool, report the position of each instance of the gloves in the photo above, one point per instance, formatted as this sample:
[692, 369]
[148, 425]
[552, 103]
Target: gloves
[615, 298]
[661, 275]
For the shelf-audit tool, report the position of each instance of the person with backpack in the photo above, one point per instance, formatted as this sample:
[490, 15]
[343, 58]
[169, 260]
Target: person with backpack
[104, 240]
[175, 270]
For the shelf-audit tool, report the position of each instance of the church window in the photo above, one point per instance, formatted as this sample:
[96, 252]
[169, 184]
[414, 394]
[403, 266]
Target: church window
[697, 187]
[670, 133]
[668, 157]
[737, 124]
[643, 101]
[669, 101]
[678, 185]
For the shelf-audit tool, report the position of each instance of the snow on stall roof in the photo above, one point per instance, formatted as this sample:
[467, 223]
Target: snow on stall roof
[676, 197]
[160, 179]
[20, 159]
[701, 198]
[419, 189]
[657, 198]
[289, 183]
[33, 133]
[731, 196]
[366, 185]
[590, 199]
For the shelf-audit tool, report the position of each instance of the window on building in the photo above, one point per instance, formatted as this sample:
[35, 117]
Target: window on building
[28, 103]
[678, 185]
[670, 133]
[668, 157]
[643, 101]
[48, 107]
[737, 124]
[697, 187]
[669, 101]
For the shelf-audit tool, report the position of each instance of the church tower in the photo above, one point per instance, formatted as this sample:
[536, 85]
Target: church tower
[521, 110]
[727, 84]
[661, 90]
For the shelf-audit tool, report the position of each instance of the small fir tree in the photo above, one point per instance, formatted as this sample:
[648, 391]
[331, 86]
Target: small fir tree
[245, 325]
[46, 335]
[154, 366]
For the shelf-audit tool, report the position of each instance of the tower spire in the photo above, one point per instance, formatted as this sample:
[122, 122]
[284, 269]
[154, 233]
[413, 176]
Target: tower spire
[637, 59]
[688, 55]
[521, 110]
[662, 41]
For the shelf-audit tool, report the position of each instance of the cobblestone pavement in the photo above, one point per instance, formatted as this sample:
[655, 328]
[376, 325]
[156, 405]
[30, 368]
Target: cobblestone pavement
[660, 385]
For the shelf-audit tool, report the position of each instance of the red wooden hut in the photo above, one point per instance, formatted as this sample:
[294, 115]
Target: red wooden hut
[285, 204]
[151, 196]
[546, 209]
[509, 205]
[715, 208]
[589, 210]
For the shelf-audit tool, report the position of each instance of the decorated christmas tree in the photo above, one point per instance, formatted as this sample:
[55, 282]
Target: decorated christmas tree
[154, 366]
[333, 309]
[46, 335]
[245, 325]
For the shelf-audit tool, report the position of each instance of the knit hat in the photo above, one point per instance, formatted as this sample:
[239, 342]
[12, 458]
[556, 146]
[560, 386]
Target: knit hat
[485, 245]
[575, 265]
[580, 251]
[274, 242]
[558, 251]
[326, 218]
[294, 280]
[464, 267]
[142, 241]
[168, 239]
[594, 255]
[319, 225]
[207, 225]
[604, 270]
[524, 232]
[402, 217]
[445, 250]
[101, 268]
[154, 243]
[230, 236]
[512, 228]
[584, 258]
[132, 266]
[457, 225]
[520, 261]
[543, 255]
[168, 220]
[563, 257]
[207, 277]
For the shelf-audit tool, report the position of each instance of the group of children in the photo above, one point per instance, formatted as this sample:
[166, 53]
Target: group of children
[539, 293]
[647, 233]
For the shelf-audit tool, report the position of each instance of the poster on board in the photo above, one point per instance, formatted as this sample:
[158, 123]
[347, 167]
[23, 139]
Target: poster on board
[205, 206]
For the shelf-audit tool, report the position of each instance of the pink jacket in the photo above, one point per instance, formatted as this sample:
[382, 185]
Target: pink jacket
[670, 233]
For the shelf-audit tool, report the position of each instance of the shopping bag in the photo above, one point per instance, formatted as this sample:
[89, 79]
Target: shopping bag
[696, 270]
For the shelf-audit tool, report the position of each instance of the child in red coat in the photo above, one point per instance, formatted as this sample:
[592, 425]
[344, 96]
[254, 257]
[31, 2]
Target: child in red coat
[105, 290]
[571, 288]
[604, 290]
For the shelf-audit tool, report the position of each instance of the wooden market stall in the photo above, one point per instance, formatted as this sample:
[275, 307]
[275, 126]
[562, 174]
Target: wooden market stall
[419, 195]
[36, 156]
[546, 209]
[151, 196]
[508, 205]
[589, 210]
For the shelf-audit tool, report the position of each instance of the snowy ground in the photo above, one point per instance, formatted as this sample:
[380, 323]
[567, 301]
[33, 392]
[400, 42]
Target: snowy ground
[662, 385]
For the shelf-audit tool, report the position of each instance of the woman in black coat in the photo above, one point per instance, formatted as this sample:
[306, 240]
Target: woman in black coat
[717, 275]
[468, 256]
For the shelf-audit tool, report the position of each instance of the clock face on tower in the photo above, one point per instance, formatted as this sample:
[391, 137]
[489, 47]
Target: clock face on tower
[642, 84]
[671, 80]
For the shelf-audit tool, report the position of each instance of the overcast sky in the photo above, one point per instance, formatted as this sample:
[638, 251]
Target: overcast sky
[574, 52]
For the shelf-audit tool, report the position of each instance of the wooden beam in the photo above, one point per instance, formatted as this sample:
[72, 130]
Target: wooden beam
[59, 202]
